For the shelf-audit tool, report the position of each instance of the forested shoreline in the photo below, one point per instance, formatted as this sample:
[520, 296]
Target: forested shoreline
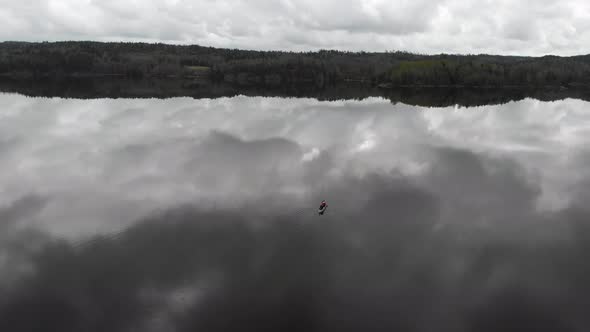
[23, 61]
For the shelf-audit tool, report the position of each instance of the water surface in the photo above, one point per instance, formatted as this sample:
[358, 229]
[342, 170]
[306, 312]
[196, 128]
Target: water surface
[200, 214]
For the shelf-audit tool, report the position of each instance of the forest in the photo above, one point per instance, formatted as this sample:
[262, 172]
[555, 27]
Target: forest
[78, 59]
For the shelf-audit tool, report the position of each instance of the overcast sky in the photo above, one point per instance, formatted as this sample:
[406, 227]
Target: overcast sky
[533, 27]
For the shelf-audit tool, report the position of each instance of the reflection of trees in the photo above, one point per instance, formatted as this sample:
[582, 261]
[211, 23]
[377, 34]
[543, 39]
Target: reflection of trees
[165, 88]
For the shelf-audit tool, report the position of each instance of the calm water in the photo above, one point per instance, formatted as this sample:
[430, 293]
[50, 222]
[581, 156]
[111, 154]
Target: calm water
[185, 215]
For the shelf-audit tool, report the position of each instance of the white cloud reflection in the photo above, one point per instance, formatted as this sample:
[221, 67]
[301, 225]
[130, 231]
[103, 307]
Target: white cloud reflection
[102, 162]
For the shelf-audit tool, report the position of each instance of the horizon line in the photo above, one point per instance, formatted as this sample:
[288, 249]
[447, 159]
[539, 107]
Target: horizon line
[167, 43]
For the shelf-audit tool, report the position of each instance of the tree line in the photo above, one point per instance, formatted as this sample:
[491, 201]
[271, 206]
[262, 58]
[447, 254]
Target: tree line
[23, 60]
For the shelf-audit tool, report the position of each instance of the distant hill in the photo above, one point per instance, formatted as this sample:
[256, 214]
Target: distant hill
[58, 60]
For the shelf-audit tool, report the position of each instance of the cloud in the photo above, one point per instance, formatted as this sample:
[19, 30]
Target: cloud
[450, 26]
[18, 243]
[20, 209]
[311, 155]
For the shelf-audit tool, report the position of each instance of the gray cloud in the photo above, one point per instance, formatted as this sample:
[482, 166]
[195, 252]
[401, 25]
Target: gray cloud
[451, 26]
[21, 208]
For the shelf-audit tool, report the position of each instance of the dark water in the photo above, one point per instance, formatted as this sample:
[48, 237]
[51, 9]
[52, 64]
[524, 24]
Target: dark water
[200, 215]
[86, 88]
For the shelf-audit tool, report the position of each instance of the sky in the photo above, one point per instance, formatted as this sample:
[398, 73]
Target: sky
[189, 214]
[508, 27]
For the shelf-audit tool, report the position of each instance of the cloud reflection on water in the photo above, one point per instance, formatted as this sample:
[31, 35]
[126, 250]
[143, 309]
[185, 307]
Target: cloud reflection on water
[447, 218]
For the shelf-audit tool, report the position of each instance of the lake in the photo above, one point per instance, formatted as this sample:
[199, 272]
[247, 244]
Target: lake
[185, 214]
